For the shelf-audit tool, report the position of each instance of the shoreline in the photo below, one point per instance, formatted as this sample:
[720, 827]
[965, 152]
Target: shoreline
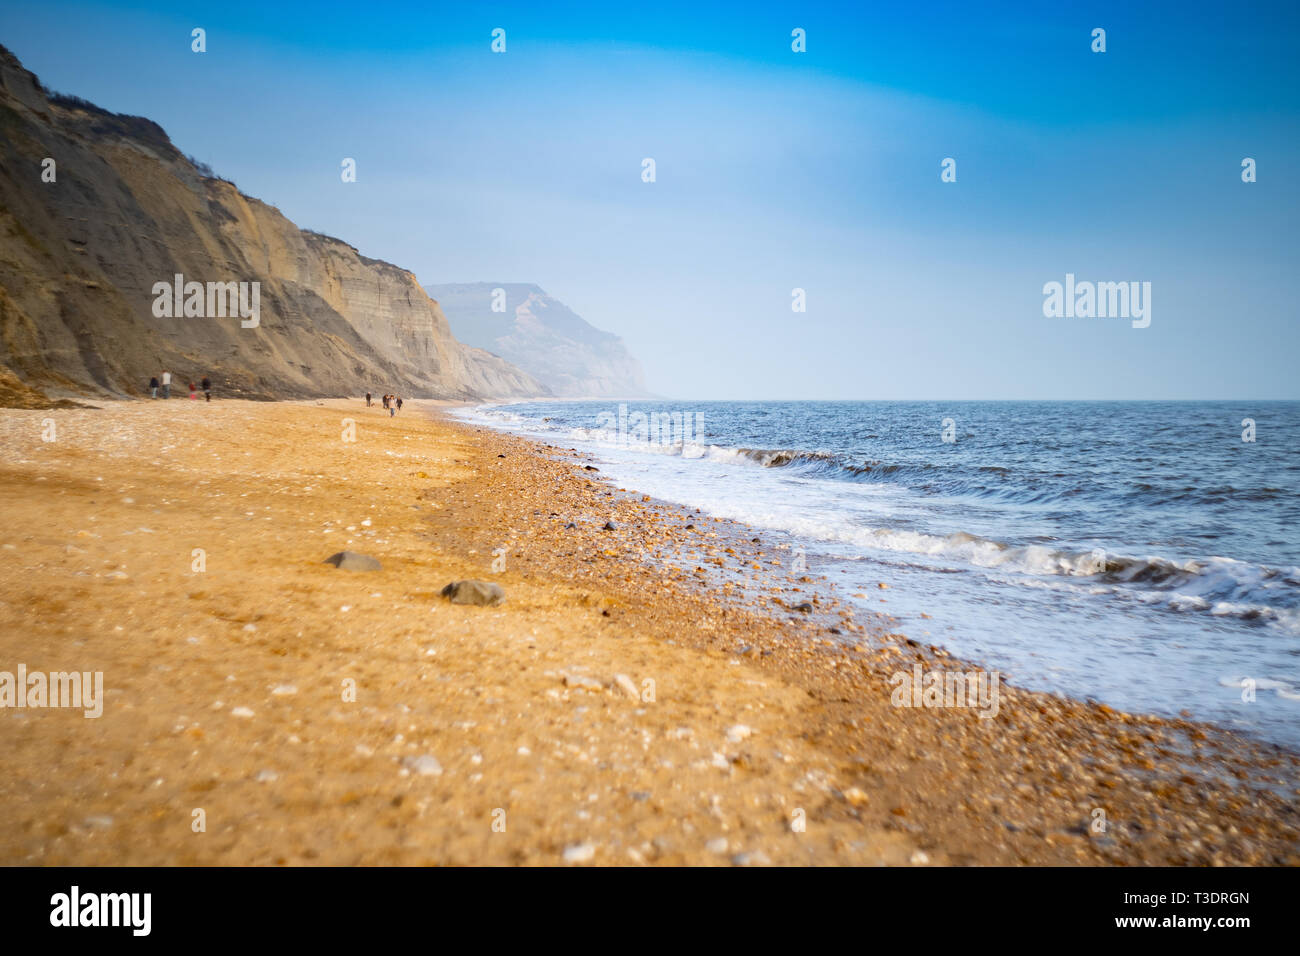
[758, 711]
[915, 615]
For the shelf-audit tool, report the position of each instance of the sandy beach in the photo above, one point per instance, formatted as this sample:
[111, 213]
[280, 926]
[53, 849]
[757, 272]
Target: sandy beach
[645, 694]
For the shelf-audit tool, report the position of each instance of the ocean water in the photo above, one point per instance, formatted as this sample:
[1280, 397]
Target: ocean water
[1139, 553]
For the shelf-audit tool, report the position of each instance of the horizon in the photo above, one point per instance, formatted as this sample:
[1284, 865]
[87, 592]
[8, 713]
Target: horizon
[775, 171]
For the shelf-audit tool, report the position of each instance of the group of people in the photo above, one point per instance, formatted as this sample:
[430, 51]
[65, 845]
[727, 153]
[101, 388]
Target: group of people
[164, 381]
[391, 402]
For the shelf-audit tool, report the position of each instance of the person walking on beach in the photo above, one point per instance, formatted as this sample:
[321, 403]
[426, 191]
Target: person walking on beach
[384, 400]
[167, 384]
[193, 393]
[207, 389]
[392, 409]
[399, 404]
[367, 399]
[153, 387]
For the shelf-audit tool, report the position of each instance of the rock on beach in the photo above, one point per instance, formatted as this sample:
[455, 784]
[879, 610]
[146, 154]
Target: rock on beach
[353, 561]
[481, 593]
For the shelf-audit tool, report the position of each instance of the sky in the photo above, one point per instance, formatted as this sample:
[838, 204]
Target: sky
[775, 170]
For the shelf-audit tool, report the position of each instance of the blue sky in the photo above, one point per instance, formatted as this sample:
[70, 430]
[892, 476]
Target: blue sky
[775, 170]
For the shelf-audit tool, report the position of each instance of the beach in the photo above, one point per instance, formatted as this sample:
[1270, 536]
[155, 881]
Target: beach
[647, 693]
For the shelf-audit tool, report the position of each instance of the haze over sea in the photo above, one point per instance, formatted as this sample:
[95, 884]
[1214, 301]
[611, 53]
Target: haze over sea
[1139, 553]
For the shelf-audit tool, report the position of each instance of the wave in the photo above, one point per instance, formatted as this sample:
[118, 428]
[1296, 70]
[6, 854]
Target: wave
[1216, 586]
[1284, 689]
[990, 481]
[782, 457]
[1219, 586]
[931, 478]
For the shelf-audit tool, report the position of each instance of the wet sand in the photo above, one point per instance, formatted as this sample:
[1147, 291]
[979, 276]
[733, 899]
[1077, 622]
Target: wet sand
[629, 703]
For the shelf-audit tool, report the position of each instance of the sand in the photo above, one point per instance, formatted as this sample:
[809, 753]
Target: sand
[629, 703]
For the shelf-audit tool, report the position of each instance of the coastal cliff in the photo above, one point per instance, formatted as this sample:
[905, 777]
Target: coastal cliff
[97, 209]
[542, 336]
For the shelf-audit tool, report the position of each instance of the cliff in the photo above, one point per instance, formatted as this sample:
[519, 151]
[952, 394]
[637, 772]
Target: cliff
[80, 258]
[542, 336]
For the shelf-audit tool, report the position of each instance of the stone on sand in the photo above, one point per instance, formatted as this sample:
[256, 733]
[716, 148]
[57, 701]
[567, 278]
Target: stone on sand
[738, 732]
[352, 561]
[481, 593]
[856, 796]
[583, 681]
[425, 765]
[579, 852]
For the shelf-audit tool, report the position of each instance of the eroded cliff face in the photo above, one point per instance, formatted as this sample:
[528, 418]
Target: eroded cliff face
[543, 336]
[80, 257]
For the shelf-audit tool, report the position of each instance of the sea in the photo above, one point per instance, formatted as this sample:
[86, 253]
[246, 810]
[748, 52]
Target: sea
[1143, 554]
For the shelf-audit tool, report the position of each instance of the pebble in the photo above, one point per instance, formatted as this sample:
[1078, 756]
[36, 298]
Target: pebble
[353, 561]
[241, 712]
[425, 765]
[855, 796]
[583, 682]
[479, 593]
[738, 733]
[579, 852]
